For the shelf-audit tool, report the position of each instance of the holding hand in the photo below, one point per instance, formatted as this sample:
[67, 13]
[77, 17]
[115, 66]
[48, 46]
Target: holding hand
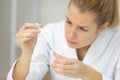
[27, 36]
[74, 68]
[69, 67]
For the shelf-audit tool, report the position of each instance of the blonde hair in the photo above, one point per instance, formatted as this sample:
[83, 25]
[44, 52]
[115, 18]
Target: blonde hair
[105, 10]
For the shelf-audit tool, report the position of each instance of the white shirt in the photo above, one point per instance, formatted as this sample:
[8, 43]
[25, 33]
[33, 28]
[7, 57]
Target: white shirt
[103, 55]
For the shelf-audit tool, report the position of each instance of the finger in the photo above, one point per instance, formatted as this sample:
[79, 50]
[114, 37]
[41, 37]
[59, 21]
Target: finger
[64, 66]
[26, 25]
[34, 31]
[58, 70]
[24, 39]
[26, 35]
[68, 73]
[58, 56]
[58, 65]
[39, 25]
[64, 72]
[31, 25]
[63, 60]
[28, 31]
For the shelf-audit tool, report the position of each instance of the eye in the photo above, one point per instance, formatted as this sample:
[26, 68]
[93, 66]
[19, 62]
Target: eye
[83, 29]
[68, 22]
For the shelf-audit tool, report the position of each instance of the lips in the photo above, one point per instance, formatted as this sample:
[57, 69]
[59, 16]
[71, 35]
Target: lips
[71, 42]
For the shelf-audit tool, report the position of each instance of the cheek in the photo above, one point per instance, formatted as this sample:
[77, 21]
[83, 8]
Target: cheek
[87, 39]
[83, 37]
[67, 31]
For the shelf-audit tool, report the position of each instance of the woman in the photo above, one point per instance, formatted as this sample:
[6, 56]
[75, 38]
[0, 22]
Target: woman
[86, 46]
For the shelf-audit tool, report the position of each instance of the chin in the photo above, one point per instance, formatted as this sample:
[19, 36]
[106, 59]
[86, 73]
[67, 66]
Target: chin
[77, 47]
[74, 47]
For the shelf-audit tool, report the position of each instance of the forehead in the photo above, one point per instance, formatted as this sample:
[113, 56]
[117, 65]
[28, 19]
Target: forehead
[78, 17]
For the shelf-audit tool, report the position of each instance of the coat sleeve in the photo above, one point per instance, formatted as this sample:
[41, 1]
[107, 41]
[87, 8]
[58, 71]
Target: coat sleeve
[107, 78]
[117, 74]
[39, 62]
[9, 76]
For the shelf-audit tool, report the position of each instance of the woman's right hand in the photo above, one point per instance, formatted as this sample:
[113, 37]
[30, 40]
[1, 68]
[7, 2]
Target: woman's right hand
[27, 36]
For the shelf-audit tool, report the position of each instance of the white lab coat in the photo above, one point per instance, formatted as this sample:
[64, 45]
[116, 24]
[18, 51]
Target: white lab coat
[103, 55]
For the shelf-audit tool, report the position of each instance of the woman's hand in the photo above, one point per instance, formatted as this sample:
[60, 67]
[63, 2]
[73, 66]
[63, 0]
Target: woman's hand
[27, 36]
[74, 68]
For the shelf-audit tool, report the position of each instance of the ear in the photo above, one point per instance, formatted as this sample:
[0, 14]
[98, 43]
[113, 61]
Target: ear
[103, 26]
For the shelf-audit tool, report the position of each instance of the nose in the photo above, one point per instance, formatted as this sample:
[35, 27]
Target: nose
[72, 34]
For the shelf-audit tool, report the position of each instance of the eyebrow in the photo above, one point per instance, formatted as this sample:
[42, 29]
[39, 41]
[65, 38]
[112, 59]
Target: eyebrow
[77, 26]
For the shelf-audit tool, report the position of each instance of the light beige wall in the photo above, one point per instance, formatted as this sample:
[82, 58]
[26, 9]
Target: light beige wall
[52, 10]
[4, 37]
[48, 11]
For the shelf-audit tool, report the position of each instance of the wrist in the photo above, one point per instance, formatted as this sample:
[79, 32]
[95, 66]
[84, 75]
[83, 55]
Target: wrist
[92, 74]
[27, 50]
[21, 67]
[25, 56]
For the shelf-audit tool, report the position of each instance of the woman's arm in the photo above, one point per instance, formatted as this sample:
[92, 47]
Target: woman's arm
[26, 37]
[117, 70]
[21, 67]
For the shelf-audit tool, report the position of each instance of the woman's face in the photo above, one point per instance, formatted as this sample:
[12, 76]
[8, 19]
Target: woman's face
[80, 28]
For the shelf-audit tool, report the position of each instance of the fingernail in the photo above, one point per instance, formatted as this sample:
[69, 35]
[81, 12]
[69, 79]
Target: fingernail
[40, 29]
[36, 23]
[54, 53]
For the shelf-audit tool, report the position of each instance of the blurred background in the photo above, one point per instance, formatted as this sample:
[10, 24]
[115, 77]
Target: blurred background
[13, 14]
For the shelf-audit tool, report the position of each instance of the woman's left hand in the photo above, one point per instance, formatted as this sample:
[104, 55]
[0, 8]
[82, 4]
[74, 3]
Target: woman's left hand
[69, 67]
